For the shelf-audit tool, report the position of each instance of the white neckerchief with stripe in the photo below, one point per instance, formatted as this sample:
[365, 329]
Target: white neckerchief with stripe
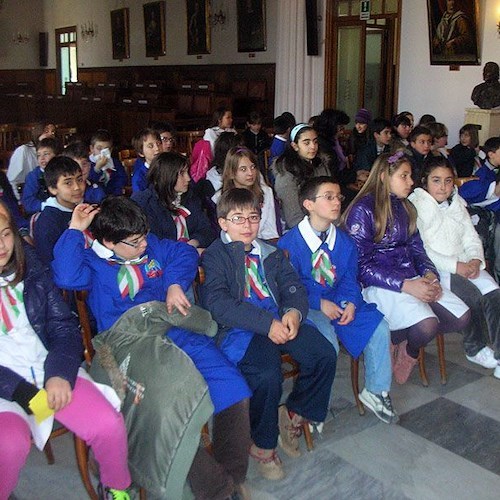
[181, 224]
[129, 277]
[256, 250]
[323, 271]
[11, 300]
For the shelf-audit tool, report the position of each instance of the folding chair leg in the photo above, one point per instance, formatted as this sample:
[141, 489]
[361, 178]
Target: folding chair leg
[308, 436]
[421, 367]
[82, 460]
[355, 384]
[441, 358]
[49, 453]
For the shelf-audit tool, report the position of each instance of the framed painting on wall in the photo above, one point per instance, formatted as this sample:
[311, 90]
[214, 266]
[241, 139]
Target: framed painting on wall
[120, 34]
[453, 31]
[198, 26]
[154, 28]
[251, 25]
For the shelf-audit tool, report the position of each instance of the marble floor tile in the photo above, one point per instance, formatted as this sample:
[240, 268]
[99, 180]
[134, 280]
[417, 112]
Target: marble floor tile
[481, 396]
[417, 467]
[460, 430]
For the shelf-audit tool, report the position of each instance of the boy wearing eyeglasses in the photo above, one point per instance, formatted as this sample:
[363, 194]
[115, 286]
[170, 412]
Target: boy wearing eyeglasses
[261, 306]
[327, 262]
[127, 266]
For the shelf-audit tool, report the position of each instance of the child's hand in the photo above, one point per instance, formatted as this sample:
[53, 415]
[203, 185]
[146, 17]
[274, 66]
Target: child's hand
[58, 393]
[176, 298]
[463, 269]
[83, 215]
[100, 163]
[330, 309]
[423, 289]
[348, 314]
[278, 333]
[291, 320]
[474, 268]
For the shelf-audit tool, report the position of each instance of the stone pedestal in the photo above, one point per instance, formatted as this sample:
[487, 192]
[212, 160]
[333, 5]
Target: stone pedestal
[489, 119]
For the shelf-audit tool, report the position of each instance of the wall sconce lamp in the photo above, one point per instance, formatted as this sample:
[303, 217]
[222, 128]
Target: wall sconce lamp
[19, 38]
[219, 18]
[88, 31]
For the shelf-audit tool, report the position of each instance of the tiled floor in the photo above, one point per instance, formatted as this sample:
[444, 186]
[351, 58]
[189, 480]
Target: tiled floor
[446, 446]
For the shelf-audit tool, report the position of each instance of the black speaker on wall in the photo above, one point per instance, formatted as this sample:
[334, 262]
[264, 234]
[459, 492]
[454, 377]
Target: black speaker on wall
[43, 48]
[312, 27]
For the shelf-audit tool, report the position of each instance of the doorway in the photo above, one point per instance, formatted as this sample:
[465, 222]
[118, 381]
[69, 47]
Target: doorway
[362, 57]
[66, 57]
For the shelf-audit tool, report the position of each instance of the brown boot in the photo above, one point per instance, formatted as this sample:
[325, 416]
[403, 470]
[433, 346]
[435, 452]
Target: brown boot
[403, 365]
[268, 463]
[290, 431]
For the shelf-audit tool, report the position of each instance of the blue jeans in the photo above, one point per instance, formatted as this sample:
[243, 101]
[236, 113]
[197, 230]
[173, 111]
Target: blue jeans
[377, 357]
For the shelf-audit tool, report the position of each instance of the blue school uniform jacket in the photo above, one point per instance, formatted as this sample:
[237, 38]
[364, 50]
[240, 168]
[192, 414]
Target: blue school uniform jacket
[300, 242]
[223, 290]
[78, 268]
[117, 180]
[34, 191]
[139, 176]
[476, 191]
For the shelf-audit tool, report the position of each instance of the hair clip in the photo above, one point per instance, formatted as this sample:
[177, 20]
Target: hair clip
[395, 157]
[242, 150]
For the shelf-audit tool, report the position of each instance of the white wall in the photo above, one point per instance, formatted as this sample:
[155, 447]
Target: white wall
[435, 89]
[98, 52]
[47, 15]
[22, 56]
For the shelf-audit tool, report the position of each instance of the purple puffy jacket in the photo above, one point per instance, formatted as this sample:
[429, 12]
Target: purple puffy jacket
[397, 257]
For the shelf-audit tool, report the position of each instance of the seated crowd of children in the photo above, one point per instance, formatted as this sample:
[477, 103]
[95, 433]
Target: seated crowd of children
[308, 241]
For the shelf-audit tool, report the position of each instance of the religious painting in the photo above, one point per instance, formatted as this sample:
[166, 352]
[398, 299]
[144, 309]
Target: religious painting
[154, 28]
[198, 26]
[453, 31]
[251, 25]
[120, 34]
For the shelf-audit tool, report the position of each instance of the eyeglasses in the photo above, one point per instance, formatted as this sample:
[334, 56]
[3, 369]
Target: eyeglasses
[331, 197]
[136, 243]
[168, 139]
[240, 220]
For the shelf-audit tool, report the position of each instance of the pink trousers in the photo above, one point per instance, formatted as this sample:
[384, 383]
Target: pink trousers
[91, 417]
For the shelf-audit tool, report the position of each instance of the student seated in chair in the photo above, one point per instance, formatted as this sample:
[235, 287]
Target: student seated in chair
[327, 262]
[66, 186]
[258, 300]
[127, 266]
[40, 378]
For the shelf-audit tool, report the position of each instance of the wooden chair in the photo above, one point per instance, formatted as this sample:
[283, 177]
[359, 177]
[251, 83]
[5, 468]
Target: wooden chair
[460, 181]
[186, 140]
[292, 372]
[421, 368]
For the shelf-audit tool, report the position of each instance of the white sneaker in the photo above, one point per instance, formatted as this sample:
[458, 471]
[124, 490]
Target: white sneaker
[496, 373]
[485, 358]
[381, 405]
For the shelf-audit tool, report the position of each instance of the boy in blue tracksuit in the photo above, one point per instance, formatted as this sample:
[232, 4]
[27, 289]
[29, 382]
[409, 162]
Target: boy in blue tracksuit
[327, 262]
[260, 304]
[126, 266]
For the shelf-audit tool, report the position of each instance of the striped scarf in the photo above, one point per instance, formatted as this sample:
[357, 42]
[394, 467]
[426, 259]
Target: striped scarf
[180, 223]
[253, 280]
[10, 297]
[129, 276]
[323, 272]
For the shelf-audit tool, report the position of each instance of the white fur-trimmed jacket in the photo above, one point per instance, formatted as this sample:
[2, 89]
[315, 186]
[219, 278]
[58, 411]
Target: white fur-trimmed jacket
[448, 233]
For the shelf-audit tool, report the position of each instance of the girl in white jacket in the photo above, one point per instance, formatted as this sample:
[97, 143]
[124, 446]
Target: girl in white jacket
[453, 244]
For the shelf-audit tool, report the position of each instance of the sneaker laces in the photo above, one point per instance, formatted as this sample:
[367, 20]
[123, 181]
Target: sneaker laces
[273, 457]
[386, 399]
